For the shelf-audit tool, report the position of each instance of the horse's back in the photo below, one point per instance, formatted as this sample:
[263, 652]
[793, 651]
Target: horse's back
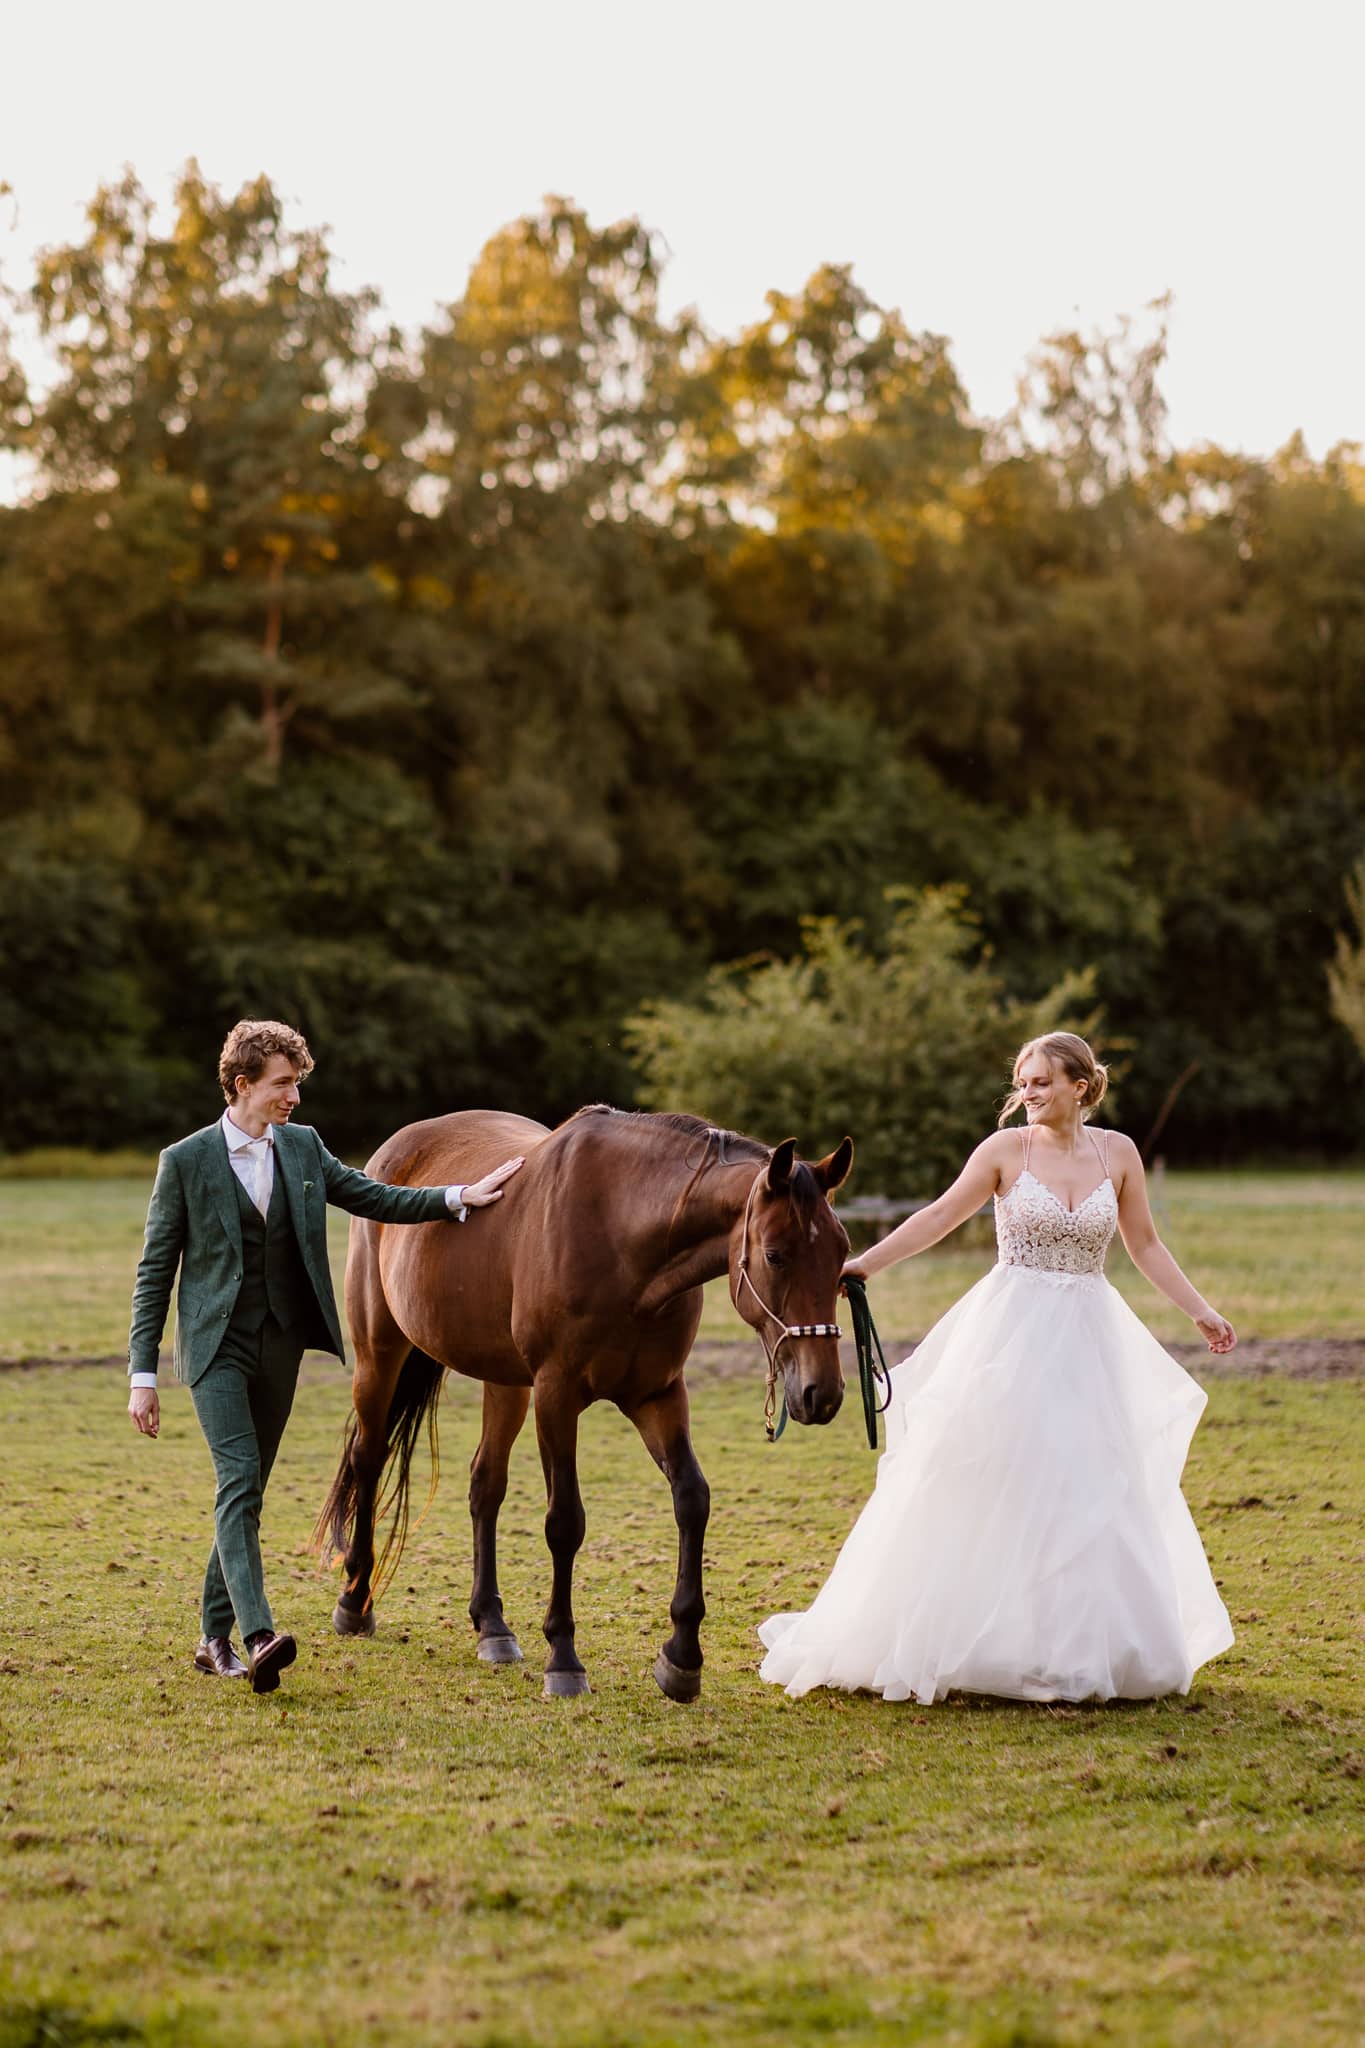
[460, 1147]
[547, 1271]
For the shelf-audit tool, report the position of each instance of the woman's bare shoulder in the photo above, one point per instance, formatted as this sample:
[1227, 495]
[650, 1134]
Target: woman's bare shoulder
[997, 1147]
[1120, 1151]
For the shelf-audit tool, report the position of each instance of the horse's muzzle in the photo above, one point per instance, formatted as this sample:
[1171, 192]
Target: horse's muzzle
[816, 1401]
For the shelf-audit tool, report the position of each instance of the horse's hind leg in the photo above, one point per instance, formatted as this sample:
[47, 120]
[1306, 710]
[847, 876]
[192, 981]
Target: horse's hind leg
[663, 1424]
[372, 1390]
[504, 1411]
[557, 1413]
[380, 1351]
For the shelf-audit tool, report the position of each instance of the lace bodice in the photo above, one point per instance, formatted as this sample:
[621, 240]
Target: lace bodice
[1034, 1227]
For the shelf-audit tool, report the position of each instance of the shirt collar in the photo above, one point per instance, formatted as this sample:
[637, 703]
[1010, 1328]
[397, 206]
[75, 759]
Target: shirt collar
[237, 1138]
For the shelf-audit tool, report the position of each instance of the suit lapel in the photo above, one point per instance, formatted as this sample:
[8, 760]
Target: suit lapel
[291, 1173]
[218, 1183]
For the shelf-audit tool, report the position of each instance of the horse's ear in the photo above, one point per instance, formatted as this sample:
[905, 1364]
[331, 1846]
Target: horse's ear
[834, 1171]
[780, 1167]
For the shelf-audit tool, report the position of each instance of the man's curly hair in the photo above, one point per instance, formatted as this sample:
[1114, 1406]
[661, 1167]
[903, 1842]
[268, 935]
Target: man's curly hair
[252, 1044]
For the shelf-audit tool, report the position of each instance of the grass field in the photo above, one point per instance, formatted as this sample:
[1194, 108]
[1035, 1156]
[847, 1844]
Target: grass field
[1280, 1253]
[402, 1846]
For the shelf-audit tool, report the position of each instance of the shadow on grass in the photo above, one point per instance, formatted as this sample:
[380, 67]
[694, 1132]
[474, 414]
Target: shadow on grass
[52, 2023]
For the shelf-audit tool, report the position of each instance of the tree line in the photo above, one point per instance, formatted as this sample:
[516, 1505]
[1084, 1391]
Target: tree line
[465, 696]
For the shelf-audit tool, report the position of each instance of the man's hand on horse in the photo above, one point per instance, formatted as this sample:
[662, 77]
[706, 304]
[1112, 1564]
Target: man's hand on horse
[480, 1193]
[145, 1409]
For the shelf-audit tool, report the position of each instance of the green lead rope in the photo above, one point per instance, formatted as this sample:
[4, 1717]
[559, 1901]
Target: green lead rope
[874, 1374]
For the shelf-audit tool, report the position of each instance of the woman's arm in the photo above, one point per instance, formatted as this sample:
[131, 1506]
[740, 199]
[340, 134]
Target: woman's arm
[974, 1186]
[1150, 1255]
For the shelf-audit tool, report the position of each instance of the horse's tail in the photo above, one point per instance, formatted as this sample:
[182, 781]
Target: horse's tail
[414, 1402]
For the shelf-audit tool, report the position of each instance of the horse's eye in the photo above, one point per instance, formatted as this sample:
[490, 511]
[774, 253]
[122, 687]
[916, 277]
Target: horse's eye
[775, 1258]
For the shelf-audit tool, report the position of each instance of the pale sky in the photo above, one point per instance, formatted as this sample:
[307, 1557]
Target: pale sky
[994, 170]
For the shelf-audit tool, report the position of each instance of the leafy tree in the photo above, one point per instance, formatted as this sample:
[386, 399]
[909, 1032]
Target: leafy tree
[814, 810]
[351, 917]
[566, 656]
[80, 1038]
[461, 692]
[1239, 988]
[1093, 404]
[217, 357]
[552, 376]
[821, 461]
[829, 412]
[908, 1047]
[1303, 722]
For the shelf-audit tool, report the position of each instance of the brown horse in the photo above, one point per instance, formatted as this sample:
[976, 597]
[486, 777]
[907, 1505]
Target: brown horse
[583, 1283]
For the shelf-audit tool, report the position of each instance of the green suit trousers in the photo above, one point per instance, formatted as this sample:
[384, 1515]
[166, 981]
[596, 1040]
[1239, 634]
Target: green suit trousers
[243, 1403]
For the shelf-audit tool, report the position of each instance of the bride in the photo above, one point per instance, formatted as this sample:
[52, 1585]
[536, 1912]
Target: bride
[1027, 1536]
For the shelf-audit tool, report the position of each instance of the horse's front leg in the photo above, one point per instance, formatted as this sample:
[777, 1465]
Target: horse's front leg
[504, 1411]
[663, 1424]
[557, 1412]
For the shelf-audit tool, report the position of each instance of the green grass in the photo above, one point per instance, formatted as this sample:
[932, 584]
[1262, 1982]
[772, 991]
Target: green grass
[1278, 1252]
[401, 1846]
[68, 1252]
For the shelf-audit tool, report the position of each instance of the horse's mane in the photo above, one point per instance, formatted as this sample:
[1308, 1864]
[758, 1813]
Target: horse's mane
[732, 1146]
[732, 1143]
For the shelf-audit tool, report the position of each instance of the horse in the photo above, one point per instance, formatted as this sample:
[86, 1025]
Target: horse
[582, 1284]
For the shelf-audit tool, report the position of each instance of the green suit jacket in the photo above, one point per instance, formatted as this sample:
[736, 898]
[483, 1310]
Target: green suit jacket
[194, 1223]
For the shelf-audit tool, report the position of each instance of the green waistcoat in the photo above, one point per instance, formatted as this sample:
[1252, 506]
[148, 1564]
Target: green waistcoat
[274, 1278]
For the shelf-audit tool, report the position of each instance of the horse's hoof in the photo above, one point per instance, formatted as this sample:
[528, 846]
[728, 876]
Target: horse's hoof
[347, 1622]
[565, 1685]
[499, 1650]
[674, 1683]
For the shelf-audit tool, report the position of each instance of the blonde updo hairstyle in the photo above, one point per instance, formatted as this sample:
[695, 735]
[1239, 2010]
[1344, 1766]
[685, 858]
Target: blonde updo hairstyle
[1065, 1050]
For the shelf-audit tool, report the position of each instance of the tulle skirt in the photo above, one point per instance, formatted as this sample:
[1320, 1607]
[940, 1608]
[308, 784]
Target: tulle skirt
[1027, 1536]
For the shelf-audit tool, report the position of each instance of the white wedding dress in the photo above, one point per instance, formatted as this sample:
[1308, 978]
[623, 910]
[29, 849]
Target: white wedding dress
[1027, 1536]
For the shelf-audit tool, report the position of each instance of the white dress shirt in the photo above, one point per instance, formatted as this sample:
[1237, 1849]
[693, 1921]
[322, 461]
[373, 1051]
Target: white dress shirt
[253, 1162]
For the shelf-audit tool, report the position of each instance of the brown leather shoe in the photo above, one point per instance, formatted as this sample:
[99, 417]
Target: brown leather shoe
[217, 1657]
[267, 1656]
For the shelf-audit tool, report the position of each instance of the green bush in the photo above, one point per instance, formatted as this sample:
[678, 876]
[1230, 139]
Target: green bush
[74, 1162]
[908, 1046]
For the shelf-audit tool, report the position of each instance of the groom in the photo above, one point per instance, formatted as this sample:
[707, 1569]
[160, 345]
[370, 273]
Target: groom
[241, 1209]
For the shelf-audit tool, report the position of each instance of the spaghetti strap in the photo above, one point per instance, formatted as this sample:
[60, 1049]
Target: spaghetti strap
[1102, 1149]
[1026, 1135]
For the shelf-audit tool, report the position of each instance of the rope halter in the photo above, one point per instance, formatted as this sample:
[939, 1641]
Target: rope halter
[784, 1330]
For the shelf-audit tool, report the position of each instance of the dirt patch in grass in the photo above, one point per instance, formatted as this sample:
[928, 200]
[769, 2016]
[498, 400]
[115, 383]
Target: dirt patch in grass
[1256, 1358]
[1286, 1358]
